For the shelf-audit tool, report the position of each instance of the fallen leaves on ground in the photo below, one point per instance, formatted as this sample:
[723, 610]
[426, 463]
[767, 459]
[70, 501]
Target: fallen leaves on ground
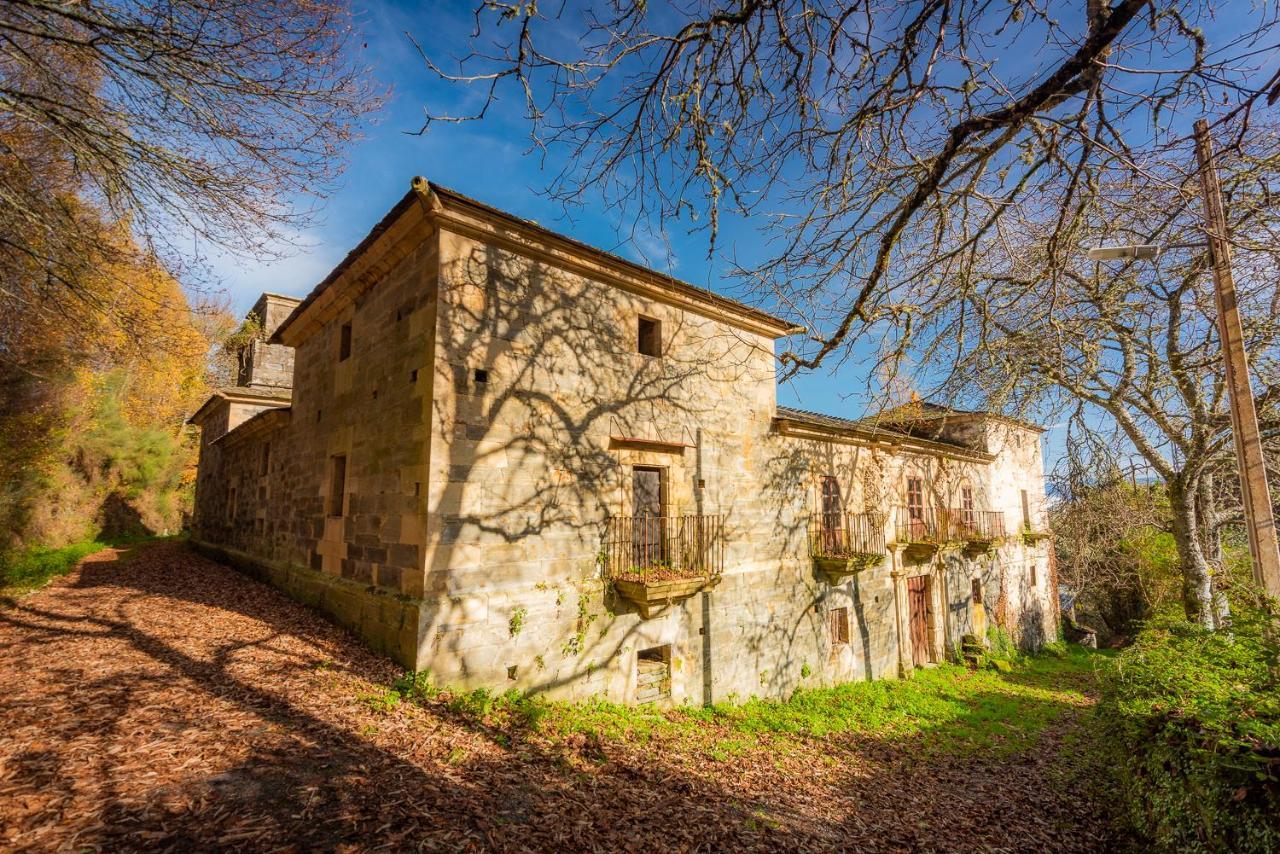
[161, 701]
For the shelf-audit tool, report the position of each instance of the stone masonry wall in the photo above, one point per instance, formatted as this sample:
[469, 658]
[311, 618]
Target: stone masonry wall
[525, 466]
[490, 414]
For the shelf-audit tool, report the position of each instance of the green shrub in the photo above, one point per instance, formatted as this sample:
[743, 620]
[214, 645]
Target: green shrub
[30, 568]
[1192, 720]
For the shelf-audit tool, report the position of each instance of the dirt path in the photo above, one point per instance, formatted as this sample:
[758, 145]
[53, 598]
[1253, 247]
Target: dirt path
[164, 702]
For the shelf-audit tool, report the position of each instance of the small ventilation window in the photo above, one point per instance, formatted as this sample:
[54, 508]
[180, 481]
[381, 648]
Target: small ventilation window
[480, 375]
[1033, 574]
[413, 375]
[977, 591]
[649, 337]
[344, 342]
[337, 483]
[653, 674]
[838, 619]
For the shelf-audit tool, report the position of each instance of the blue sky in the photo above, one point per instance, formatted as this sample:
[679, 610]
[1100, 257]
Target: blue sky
[490, 161]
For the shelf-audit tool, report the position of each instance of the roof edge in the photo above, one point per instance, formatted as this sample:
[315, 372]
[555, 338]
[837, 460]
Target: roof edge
[862, 435]
[440, 201]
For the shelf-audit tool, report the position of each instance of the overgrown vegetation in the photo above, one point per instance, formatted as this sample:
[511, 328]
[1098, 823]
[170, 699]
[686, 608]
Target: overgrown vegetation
[947, 708]
[1192, 723]
[28, 569]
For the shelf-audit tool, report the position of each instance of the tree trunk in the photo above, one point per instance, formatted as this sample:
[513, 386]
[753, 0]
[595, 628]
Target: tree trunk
[1197, 577]
[1211, 536]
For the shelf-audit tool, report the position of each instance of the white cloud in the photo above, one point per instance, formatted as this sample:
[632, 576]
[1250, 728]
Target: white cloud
[294, 267]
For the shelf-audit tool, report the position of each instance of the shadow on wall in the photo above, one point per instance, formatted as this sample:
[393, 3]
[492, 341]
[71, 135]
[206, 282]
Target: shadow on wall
[237, 735]
[529, 464]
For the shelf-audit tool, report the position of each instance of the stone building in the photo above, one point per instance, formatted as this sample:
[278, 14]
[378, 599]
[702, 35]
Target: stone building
[517, 461]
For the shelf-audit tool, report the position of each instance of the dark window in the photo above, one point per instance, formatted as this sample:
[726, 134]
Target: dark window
[337, 484]
[1026, 510]
[1033, 574]
[344, 342]
[266, 458]
[413, 375]
[649, 340]
[481, 376]
[838, 619]
[977, 591]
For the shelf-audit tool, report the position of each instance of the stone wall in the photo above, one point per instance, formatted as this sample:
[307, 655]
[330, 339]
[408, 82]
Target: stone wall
[490, 412]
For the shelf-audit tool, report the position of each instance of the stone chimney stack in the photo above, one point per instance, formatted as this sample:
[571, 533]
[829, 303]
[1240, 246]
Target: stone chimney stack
[268, 366]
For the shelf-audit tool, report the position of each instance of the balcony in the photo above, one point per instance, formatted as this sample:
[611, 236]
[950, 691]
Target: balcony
[844, 543]
[653, 561]
[919, 530]
[979, 530]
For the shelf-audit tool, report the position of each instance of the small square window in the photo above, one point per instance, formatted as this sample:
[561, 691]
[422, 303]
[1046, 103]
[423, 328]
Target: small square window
[344, 342]
[839, 623]
[480, 375]
[649, 337]
[337, 484]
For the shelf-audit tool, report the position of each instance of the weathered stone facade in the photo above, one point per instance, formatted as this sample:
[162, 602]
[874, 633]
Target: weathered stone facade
[471, 406]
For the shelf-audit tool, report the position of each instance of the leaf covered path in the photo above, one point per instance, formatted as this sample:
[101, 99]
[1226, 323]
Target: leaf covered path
[160, 701]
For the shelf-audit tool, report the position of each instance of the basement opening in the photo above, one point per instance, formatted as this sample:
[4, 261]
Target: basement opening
[653, 674]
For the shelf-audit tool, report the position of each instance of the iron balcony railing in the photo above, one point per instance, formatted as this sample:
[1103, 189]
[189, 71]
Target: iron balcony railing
[976, 525]
[846, 534]
[919, 525]
[663, 548]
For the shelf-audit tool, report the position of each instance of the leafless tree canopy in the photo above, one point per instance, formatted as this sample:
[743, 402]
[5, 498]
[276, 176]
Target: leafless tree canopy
[885, 140]
[177, 122]
[931, 172]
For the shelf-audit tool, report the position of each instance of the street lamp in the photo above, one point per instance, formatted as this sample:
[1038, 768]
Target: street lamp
[1139, 252]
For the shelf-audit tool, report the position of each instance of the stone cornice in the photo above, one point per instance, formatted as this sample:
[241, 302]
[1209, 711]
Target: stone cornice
[402, 229]
[470, 218]
[796, 429]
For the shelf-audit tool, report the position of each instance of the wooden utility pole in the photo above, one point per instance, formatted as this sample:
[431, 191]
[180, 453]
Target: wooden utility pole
[1259, 518]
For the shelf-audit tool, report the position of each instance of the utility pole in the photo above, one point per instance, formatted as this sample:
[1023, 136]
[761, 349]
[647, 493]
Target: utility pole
[1259, 518]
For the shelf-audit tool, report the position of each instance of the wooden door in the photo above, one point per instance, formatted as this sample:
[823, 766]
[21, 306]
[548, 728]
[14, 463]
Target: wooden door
[918, 600]
[832, 513]
[647, 541]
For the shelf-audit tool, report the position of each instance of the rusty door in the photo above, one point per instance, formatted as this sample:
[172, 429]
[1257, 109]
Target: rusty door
[918, 600]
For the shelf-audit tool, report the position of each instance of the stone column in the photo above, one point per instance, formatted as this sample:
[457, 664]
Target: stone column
[901, 607]
[941, 605]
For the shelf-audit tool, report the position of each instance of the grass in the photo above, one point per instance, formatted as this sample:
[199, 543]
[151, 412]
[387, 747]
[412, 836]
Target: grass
[947, 708]
[25, 570]
[28, 569]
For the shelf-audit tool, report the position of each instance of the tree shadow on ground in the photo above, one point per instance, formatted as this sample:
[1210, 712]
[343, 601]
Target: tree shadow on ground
[166, 701]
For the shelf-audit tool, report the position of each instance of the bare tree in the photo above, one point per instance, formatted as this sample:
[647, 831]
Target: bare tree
[181, 121]
[883, 140]
[1130, 351]
[930, 170]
